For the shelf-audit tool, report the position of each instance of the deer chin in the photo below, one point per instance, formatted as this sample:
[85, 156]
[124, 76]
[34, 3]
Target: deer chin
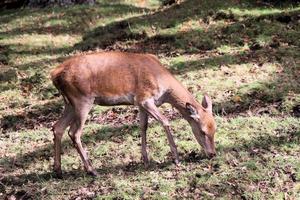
[209, 148]
[205, 142]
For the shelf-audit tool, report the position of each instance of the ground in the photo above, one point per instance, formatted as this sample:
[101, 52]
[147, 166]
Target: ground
[244, 54]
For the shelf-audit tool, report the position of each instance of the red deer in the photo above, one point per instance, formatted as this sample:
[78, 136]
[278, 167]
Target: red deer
[115, 78]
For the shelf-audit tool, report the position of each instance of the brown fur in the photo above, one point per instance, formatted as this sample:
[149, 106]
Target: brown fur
[109, 74]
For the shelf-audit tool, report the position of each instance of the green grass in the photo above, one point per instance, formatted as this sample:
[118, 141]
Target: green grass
[209, 47]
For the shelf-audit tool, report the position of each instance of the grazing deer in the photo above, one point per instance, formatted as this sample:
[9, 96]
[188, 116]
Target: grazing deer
[115, 78]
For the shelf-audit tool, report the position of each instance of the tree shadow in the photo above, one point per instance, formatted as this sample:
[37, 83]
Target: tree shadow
[258, 97]
[236, 34]
[132, 31]
[262, 142]
[22, 49]
[32, 117]
[265, 141]
[75, 18]
[23, 161]
[102, 37]
[11, 51]
[213, 62]
[268, 96]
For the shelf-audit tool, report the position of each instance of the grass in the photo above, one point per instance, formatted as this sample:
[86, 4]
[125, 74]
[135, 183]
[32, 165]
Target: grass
[245, 56]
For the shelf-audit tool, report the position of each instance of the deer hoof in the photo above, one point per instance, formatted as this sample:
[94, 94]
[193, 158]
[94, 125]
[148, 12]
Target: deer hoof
[177, 163]
[93, 173]
[146, 161]
[58, 174]
[146, 164]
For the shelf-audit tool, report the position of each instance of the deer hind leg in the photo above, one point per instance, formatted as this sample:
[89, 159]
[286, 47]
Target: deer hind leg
[144, 125]
[151, 108]
[58, 130]
[82, 109]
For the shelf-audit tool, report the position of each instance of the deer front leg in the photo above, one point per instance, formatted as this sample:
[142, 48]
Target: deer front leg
[151, 108]
[143, 126]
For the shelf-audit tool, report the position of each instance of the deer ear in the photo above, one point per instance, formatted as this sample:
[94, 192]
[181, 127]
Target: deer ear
[207, 103]
[192, 111]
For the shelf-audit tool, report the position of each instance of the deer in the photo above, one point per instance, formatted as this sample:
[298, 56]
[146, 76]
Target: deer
[119, 78]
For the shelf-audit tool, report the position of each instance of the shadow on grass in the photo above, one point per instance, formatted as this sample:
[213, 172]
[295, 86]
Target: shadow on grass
[262, 96]
[24, 160]
[32, 50]
[132, 31]
[283, 27]
[32, 117]
[59, 20]
[264, 142]
[167, 18]
[271, 96]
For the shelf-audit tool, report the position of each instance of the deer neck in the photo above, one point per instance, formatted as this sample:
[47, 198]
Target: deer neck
[178, 97]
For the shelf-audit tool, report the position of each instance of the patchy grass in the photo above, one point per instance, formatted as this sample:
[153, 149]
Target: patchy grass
[257, 156]
[245, 56]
